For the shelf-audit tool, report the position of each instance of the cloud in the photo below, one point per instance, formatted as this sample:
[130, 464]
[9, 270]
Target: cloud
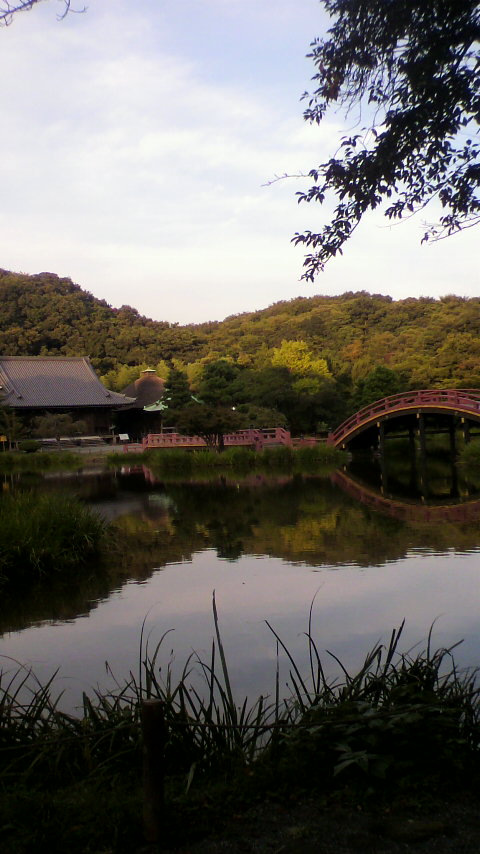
[136, 147]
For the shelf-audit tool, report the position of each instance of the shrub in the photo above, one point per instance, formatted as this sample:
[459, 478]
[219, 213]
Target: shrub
[29, 446]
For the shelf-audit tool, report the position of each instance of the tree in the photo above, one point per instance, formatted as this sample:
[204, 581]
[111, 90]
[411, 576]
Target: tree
[410, 68]
[380, 382]
[11, 426]
[9, 10]
[218, 385]
[57, 424]
[122, 376]
[296, 356]
[177, 393]
[209, 422]
[261, 416]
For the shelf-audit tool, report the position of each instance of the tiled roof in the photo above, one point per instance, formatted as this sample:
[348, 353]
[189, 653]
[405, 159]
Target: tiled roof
[50, 382]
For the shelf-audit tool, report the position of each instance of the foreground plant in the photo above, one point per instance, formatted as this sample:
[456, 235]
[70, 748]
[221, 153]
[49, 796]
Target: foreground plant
[401, 722]
[394, 699]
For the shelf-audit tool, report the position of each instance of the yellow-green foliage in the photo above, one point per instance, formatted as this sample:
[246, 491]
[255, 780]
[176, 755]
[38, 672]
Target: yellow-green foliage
[430, 343]
[300, 361]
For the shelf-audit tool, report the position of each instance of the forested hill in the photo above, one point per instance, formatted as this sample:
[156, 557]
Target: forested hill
[48, 315]
[426, 342]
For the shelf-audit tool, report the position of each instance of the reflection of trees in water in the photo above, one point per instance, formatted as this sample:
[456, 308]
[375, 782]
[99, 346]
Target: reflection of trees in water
[303, 520]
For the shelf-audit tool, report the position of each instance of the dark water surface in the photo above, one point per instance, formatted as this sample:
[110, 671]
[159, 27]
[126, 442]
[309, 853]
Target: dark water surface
[373, 546]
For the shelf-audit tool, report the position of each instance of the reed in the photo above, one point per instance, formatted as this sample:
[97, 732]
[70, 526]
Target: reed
[284, 458]
[393, 692]
[401, 722]
[44, 534]
[42, 461]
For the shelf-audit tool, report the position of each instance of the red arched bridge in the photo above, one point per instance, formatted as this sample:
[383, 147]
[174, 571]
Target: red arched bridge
[403, 411]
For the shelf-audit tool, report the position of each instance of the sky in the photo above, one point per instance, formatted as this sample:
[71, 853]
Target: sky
[138, 146]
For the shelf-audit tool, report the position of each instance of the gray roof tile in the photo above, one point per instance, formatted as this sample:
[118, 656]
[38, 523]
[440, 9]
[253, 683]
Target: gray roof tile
[50, 382]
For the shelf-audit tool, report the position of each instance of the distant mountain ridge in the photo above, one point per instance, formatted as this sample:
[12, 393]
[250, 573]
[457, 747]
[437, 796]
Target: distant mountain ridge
[426, 341]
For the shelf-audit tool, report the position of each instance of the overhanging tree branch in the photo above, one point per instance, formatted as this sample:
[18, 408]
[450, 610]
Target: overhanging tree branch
[412, 67]
[9, 10]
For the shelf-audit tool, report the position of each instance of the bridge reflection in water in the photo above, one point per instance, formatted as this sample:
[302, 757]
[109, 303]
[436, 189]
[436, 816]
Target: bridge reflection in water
[452, 510]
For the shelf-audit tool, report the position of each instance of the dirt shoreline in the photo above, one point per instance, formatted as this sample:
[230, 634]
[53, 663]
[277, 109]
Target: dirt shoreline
[309, 827]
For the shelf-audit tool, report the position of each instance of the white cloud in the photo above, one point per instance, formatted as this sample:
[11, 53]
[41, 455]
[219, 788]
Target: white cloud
[135, 147]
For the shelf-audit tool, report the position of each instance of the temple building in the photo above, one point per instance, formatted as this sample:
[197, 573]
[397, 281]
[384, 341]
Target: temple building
[39, 385]
[145, 414]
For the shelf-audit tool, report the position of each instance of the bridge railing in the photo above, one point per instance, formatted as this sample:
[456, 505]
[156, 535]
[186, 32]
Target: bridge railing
[466, 399]
[253, 437]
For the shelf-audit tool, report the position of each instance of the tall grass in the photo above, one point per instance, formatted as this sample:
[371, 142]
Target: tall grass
[43, 461]
[403, 722]
[46, 534]
[399, 717]
[282, 458]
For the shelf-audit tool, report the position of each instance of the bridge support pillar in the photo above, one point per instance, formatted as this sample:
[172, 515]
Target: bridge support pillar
[411, 442]
[421, 434]
[381, 437]
[423, 455]
[466, 431]
[453, 438]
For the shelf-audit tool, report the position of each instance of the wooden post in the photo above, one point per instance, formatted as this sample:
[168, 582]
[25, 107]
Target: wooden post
[411, 441]
[381, 437]
[453, 438]
[154, 737]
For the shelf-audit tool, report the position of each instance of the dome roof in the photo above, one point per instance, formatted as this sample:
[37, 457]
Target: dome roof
[147, 389]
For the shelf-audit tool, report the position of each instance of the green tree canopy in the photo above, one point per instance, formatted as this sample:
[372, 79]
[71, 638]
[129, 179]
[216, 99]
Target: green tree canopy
[218, 383]
[209, 422]
[57, 424]
[406, 73]
[380, 382]
[177, 391]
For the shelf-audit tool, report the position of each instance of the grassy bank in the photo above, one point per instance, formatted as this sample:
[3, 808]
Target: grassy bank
[238, 459]
[402, 724]
[60, 460]
[41, 535]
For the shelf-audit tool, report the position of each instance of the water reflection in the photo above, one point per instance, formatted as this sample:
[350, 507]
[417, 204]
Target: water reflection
[436, 479]
[267, 545]
[447, 509]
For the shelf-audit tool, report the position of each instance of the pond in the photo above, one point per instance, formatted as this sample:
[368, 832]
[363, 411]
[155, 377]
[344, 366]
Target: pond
[366, 546]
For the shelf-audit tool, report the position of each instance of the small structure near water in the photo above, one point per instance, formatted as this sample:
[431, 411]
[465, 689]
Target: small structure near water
[147, 390]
